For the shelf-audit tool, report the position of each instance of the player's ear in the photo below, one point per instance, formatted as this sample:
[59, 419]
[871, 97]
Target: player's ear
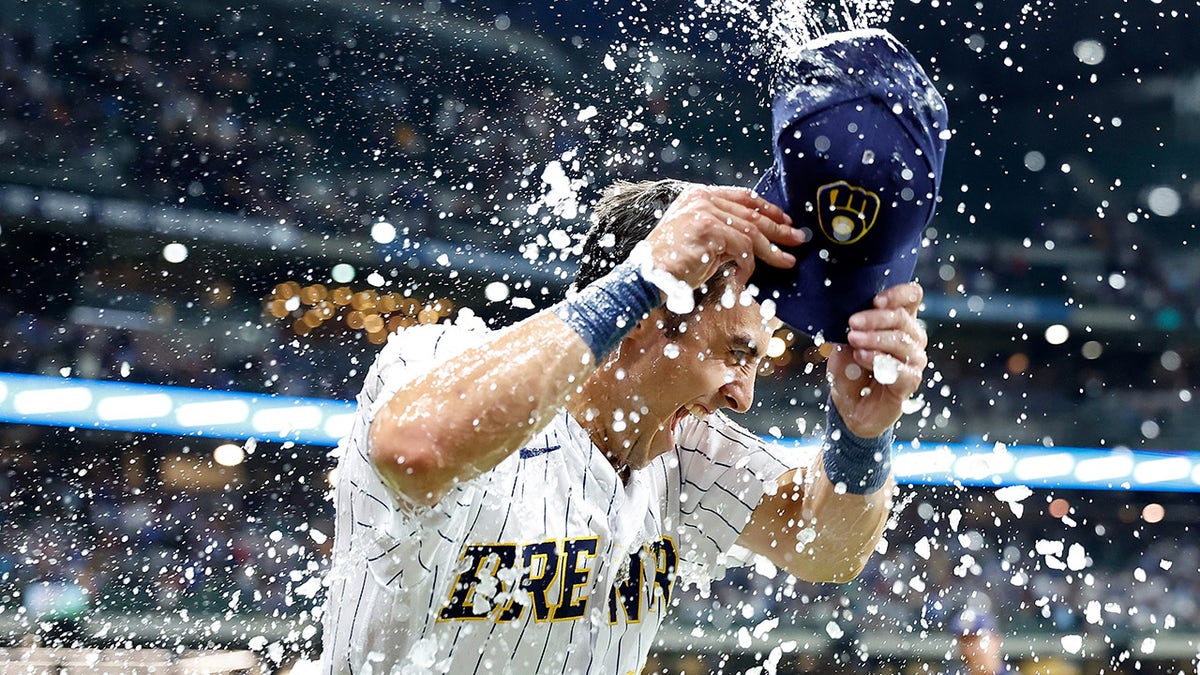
[648, 329]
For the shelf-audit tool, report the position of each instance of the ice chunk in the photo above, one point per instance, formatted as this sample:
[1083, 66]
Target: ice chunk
[763, 630]
[743, 637]
[679, 295]
[1013, 495]
[1072, 643]
[309, 588]
[1077, 558]
[1048, 547]
[922, 547]
[886, 369]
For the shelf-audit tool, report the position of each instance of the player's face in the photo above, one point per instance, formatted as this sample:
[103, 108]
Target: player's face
[720, 354]
[710, 367]
[981, 653]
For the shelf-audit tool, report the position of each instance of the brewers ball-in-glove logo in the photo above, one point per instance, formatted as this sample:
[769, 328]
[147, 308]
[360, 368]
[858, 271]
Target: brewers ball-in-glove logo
[846, 212]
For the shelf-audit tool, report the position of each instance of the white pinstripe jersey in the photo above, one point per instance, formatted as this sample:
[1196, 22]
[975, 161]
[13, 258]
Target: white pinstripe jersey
[548, 563]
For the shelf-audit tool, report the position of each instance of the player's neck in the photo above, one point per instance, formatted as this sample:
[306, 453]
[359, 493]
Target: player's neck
[623, 424]
[593, 408]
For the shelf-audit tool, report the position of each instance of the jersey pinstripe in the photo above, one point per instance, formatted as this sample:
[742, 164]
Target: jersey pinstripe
[549, 563]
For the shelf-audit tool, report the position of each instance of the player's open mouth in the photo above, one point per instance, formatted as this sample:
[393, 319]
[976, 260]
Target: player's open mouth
[692, 409]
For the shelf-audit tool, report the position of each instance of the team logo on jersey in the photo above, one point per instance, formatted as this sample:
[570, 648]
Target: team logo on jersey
[528, 453]
[553, 580]
[846, 212]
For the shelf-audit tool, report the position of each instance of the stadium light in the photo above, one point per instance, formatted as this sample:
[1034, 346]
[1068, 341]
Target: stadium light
[120, 406]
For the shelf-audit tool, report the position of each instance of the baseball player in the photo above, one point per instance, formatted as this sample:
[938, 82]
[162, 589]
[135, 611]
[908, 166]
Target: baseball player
[528, 500]
[980, 642]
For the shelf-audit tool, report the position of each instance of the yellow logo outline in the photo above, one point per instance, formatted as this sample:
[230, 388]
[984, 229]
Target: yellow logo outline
[832, 215]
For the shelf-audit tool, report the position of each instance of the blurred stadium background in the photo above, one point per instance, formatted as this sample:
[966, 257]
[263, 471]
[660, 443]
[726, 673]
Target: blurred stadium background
[211, 216]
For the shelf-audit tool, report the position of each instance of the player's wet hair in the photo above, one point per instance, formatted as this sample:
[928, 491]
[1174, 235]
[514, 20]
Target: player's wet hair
[623, 216]
[625, 213]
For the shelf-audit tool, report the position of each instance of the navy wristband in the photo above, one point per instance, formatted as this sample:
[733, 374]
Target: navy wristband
[861, 464]
[607, 309]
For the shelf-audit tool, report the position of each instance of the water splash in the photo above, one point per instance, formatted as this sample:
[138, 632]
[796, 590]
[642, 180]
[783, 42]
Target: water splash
[786, 27]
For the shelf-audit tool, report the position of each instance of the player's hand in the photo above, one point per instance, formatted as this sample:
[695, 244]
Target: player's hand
[707, 226]
[889, 330]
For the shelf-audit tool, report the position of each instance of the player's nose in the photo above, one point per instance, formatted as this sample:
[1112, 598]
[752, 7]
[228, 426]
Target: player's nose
[738, 392]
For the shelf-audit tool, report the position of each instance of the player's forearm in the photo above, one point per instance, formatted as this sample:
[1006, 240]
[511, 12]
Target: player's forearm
[846, 498]
[468, 415]
[822, 524]
[847, 528]
[816, 531]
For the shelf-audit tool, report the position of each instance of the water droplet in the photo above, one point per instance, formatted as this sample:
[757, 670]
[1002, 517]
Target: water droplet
[496, 291]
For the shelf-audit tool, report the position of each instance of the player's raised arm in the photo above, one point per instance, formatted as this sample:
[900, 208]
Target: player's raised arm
[468, 415]
[822, 524]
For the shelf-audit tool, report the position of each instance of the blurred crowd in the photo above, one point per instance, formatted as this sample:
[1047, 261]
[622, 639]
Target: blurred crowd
[265, 360]
[1082, 330]
[103, 529]
[1075, 263]
[124, 112]
[313, 129]
[1108, 574]
[131, 541]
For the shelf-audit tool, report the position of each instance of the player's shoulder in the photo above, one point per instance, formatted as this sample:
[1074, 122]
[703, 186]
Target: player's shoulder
[411, 351]
[717, 439]
[434, 341]
[697, 431]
